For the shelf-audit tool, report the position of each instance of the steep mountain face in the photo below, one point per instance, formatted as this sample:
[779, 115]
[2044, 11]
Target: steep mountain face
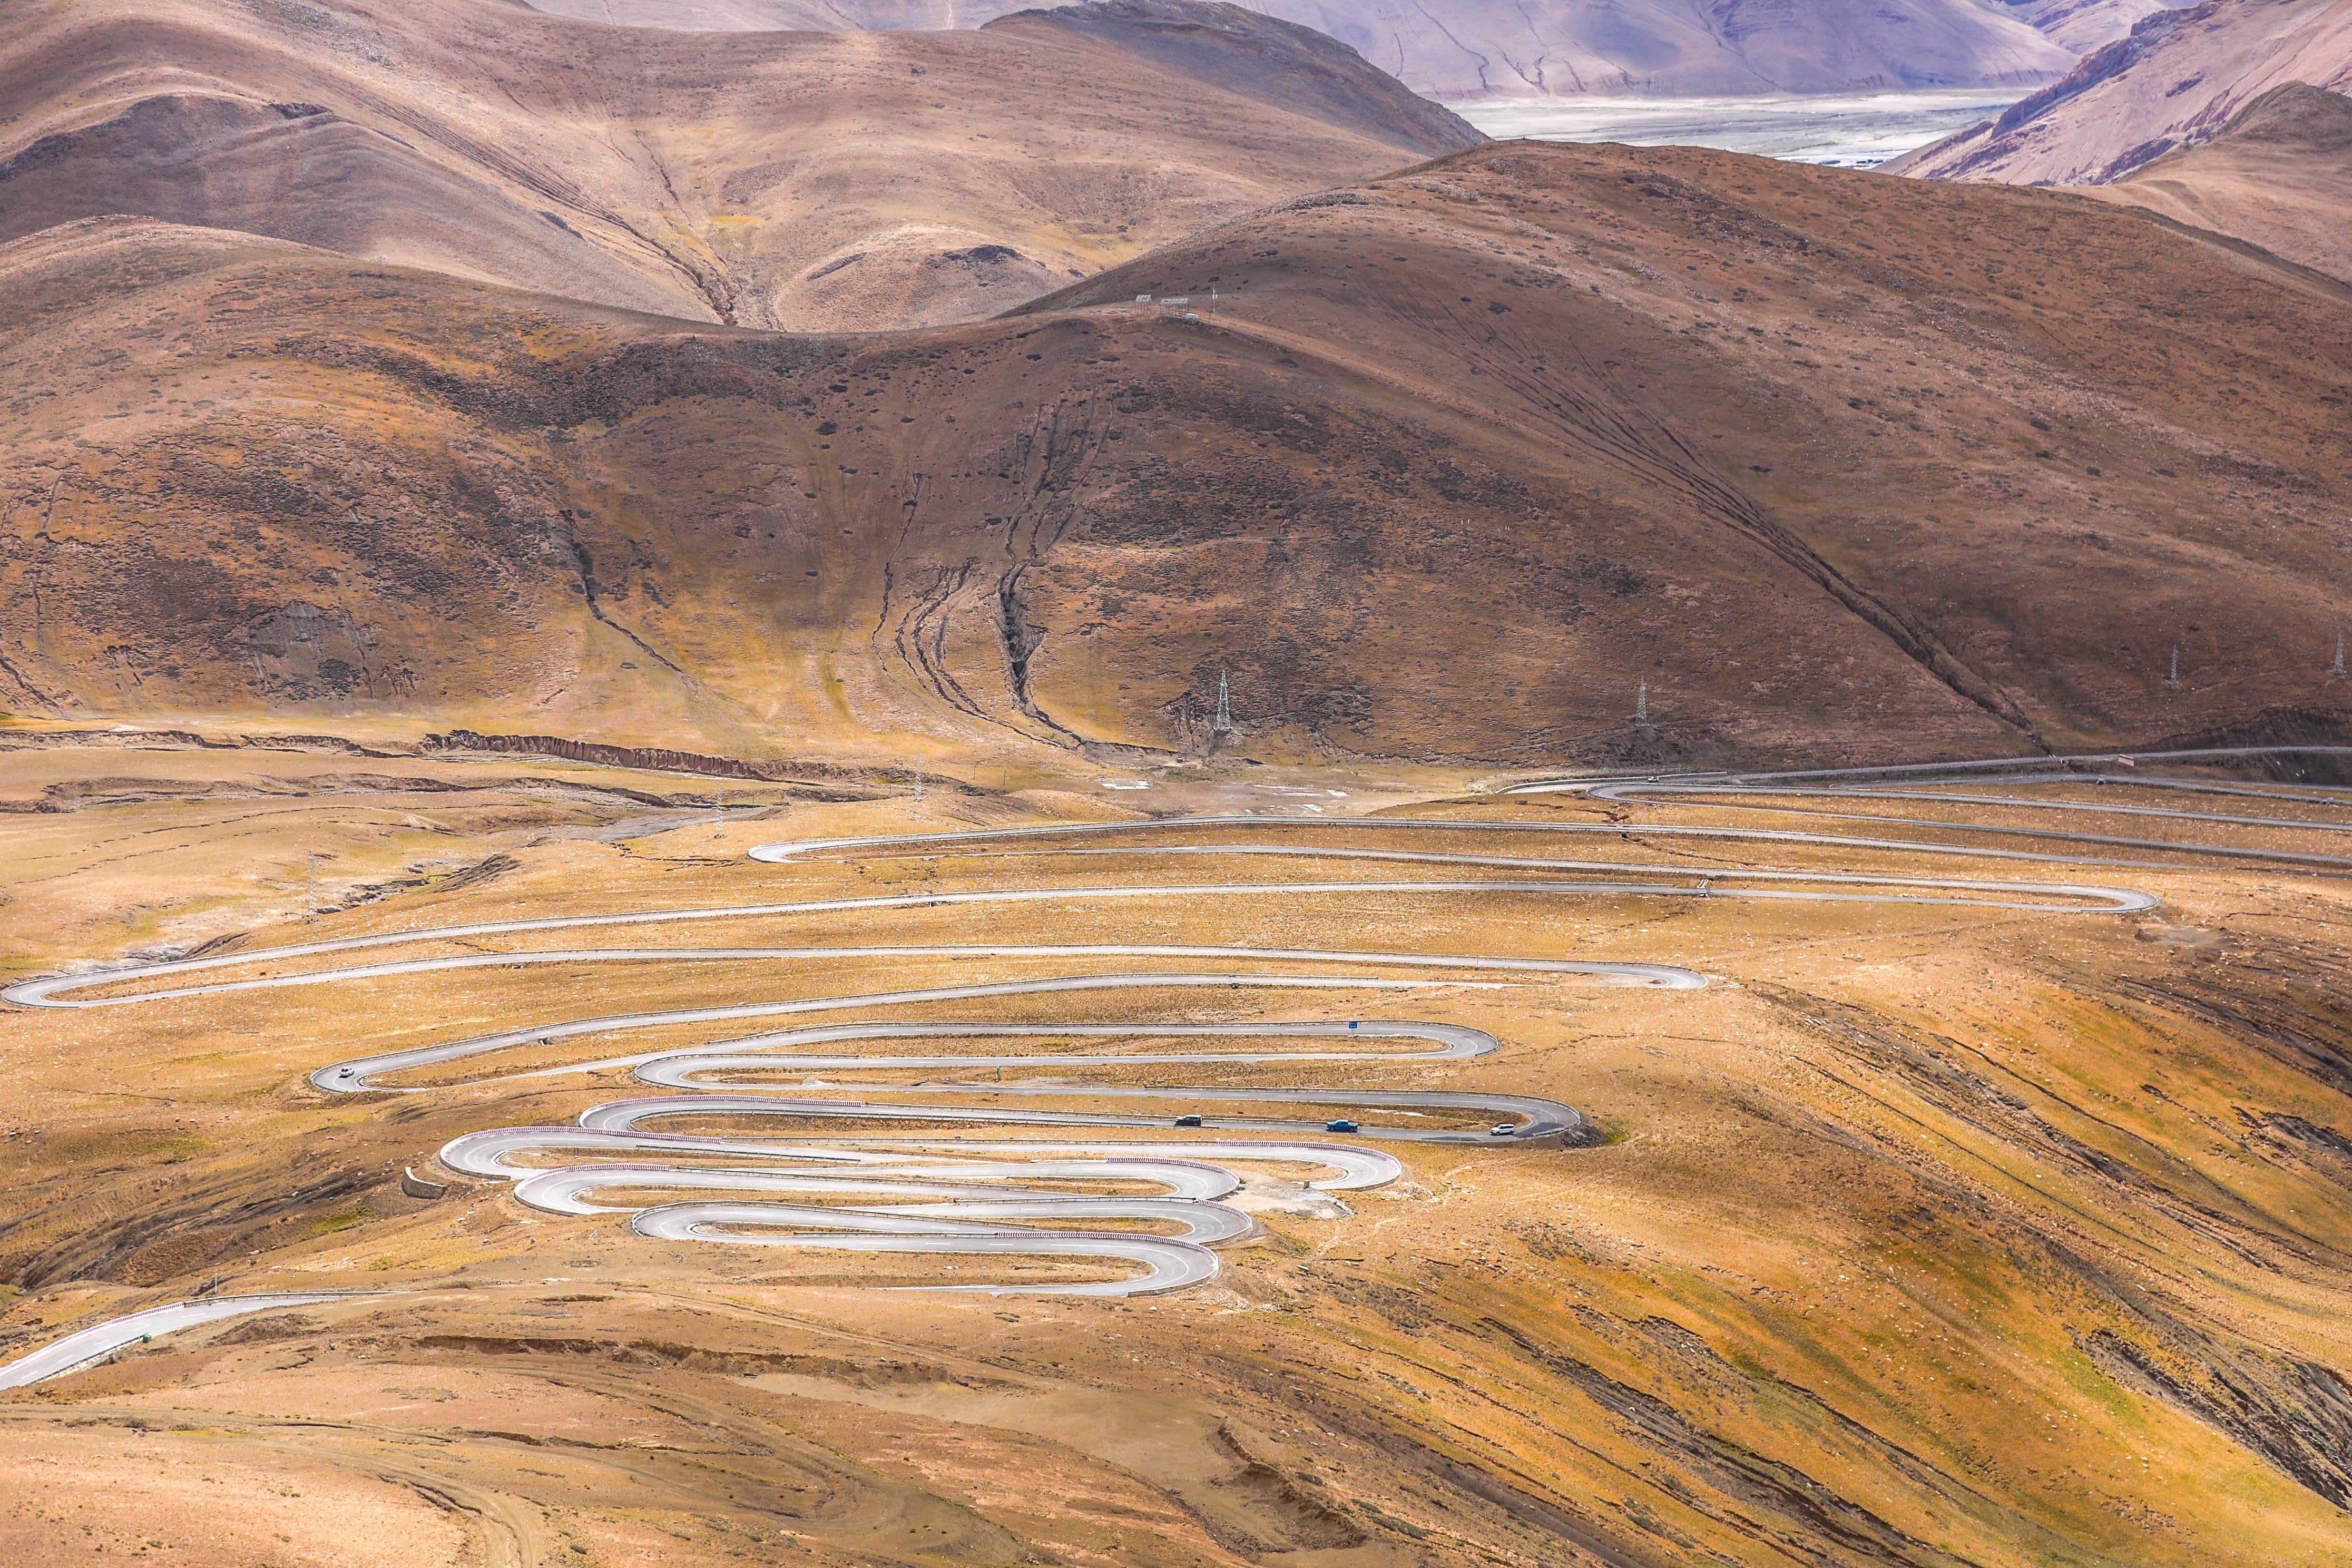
[2083, 26]
[1470, 50]
[2176, 80]
[799, 181]
[1468, 455]
[2279, 176]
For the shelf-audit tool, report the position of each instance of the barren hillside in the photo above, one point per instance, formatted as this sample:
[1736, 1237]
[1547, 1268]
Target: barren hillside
[1230, 49]
[1466, 457]
[811, 181]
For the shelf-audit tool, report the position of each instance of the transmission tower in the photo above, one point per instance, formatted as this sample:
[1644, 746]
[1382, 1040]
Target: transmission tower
[1642, 703]
[2174, 679]
[2338, 668]
[1225, 724]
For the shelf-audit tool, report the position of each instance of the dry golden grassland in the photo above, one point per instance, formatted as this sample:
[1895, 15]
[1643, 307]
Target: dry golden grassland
[1923, 1234]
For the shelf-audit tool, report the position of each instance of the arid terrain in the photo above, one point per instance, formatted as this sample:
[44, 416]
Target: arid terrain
[1073, 792]
[2229, 117]
[2083, 26]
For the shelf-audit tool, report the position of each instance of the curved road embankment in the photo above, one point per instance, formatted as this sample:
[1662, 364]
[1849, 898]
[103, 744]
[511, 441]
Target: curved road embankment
[85, 1347]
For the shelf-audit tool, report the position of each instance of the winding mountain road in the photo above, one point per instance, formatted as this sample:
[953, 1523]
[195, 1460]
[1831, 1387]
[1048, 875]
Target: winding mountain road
[935, 1192]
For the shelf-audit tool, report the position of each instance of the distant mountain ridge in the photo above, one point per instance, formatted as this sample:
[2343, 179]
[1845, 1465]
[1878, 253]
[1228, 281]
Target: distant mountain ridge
[1471, 49]
[2176, 80]
[2279, 176]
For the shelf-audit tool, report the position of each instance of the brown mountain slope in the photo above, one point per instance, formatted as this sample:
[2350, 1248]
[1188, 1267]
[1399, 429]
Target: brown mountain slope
[1275, 62]
[1832, 463]
[786, 181]
[2175, 82]
[301, 172]
[1467, 49]
[2280, 176]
